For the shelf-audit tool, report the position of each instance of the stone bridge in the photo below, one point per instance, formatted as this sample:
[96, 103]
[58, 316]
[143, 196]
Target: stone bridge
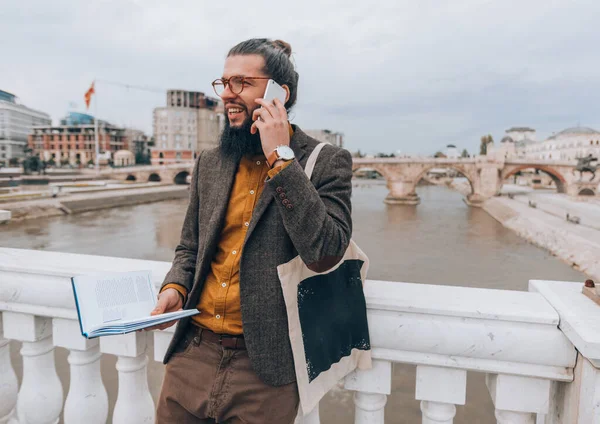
[486, 175]
[173, 173]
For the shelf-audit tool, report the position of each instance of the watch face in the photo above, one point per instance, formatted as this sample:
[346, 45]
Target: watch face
[285, 153]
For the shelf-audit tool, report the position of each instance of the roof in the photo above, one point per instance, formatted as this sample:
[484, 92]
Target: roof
[575, 131]
[507, 139]
[519, 129]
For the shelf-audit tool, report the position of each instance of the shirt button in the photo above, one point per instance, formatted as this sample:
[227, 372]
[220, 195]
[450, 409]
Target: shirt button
[258, 162]
[251, 191]
[247, 224]
[234, 252]
[223, 284]
[218, 316]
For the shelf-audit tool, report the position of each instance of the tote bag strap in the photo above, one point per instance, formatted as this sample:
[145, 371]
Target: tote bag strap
[312, 160]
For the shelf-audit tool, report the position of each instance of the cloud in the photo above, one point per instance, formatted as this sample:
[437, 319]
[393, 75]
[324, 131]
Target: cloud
[395, 75]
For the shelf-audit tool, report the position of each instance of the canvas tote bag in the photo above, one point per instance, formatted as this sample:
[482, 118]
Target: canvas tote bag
[327, 319]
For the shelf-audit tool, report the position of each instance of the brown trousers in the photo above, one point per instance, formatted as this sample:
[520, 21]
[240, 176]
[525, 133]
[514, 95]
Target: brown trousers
[205, 383]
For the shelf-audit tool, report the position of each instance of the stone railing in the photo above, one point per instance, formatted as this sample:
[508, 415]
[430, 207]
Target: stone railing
[539, 349]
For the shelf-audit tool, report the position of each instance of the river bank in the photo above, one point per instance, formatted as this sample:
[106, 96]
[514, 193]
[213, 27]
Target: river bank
[576, 244]
[93, 200]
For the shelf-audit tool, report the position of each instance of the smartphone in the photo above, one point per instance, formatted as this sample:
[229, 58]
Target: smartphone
[274, 91]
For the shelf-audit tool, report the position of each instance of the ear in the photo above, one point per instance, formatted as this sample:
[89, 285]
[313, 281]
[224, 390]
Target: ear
[287, 93]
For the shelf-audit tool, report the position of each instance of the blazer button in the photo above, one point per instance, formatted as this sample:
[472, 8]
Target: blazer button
[290, 206]
[282, 195]
[285, 202]
[279, 189]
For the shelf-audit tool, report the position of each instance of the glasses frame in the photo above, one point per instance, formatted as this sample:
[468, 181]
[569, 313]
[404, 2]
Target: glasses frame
[225, 83]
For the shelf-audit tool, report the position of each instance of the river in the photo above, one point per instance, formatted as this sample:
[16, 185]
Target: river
[441, 241]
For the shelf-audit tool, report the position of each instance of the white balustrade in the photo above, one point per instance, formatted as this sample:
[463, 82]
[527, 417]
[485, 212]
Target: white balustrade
[87, 400]
[134, 404]
[439, 389]
[525, 343]
[372, 388]
[41, 396]
[9, 387]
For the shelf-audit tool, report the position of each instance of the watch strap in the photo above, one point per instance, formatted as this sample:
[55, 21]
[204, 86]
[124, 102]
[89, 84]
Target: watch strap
[272, 158]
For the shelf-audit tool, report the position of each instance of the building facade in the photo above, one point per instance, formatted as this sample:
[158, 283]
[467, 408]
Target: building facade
[567, 145]
[73, 141]
[190, 123]
[139, 144]
[327, 136]
[16, 122]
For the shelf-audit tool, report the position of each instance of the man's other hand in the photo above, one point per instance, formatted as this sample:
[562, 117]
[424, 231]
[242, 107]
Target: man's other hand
[168, 301]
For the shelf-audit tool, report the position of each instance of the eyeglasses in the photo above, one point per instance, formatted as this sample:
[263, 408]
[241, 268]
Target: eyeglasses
[236, 84]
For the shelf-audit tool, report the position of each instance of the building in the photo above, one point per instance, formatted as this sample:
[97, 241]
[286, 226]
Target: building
[191, 122]
[567, 145]
[520, 133]
[140, 144]
[452, 152]
[327, 136]
[73, 141]
[16, 122]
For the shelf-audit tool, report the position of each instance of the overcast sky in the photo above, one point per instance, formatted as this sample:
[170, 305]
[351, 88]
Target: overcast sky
[408, 76]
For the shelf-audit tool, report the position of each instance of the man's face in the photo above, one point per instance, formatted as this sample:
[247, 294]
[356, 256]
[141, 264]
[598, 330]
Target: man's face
[239, 107]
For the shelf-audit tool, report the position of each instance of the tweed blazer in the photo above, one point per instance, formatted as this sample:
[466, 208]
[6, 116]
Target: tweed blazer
[315, 223]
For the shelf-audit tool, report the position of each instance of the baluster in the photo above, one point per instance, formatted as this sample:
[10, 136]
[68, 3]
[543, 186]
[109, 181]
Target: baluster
[372, 387]
[9, 387]
[134, 402]
[517, 399]
[439, 389]
[41, 396]
[87, 401]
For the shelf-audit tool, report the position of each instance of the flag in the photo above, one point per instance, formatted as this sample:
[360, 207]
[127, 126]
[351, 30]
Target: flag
[88, 96]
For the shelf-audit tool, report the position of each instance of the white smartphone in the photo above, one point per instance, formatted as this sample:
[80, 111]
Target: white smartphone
[274, 91]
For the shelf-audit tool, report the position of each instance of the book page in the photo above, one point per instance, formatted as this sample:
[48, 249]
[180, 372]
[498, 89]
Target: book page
[113, 297]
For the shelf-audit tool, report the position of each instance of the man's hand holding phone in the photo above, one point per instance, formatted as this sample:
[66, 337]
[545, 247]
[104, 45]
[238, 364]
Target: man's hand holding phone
[273, 126]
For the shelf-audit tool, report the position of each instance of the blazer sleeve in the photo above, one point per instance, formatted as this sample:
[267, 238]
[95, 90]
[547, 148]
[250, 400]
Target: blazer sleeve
[183, 267]
[317, 217]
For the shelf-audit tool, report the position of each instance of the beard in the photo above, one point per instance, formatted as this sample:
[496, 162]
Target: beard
[237, 142]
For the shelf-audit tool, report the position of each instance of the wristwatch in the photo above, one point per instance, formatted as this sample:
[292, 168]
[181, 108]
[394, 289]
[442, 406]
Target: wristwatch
[282, 152]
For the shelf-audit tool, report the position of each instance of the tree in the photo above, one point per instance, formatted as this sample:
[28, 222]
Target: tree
[464, 154]
[439, 155]
[13, 162]
[483, 146]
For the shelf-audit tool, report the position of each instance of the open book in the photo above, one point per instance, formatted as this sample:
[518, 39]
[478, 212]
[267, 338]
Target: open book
[118, 303]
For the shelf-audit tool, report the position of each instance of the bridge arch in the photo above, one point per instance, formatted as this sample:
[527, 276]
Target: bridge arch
[381, 169]
[557, 177]
[587, 192]
[130, 177]
[456, 168]
[369, 172]
[154, 177]
[181, 177]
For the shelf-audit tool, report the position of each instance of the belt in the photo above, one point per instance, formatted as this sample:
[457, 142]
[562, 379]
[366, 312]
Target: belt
[226, 340]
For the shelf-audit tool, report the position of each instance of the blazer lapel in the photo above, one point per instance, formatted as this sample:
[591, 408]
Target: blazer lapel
[298, 145]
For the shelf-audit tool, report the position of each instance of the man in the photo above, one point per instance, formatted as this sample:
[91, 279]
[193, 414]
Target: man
[251, 209]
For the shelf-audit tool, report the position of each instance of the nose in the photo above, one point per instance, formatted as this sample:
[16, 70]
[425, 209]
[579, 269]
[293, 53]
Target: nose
[227, 94]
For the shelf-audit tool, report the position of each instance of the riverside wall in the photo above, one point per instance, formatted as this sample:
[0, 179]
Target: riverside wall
[84, 202]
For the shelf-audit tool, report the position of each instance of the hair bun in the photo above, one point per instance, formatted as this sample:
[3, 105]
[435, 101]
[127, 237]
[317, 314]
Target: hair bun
[287, 49]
